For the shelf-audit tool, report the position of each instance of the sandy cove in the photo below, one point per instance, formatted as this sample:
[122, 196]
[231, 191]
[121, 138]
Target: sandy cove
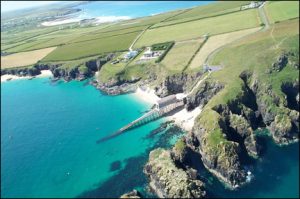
[44, 73]
[183, 118]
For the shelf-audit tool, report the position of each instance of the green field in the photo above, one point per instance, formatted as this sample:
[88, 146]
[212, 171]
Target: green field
[109, 70]
[236, 59]
[195, 29]
[180, 55]
[255, 53]
[90, 48]
[210, 10]
[282, 10]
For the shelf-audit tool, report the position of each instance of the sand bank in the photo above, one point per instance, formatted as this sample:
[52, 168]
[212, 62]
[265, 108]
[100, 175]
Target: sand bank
[44, 73]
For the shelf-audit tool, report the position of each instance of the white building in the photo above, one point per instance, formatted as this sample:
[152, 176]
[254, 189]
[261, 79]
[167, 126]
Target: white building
[148, 53]
[130, 54]
[253, 4]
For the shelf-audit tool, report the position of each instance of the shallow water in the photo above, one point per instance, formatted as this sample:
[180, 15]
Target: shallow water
[49, 134]
[48, 146]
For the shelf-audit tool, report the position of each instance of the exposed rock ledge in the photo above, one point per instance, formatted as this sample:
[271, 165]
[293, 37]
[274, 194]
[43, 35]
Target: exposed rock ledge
[131, 194]
[79, 72]
[169, 181]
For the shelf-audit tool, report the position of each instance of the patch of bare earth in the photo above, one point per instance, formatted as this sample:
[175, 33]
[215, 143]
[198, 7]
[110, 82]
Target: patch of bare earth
[215, 42]
[24, 58]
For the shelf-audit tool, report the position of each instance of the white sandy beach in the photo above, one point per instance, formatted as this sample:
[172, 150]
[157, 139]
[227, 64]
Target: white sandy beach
[60, 22]
[147, 95]
[182, 118]
[98, 20]
[185, 119]
[44, 73]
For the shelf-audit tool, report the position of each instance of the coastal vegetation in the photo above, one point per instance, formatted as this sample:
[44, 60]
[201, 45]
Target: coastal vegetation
[178, 57]
[282, 10]
[195, 29]
[255, 84]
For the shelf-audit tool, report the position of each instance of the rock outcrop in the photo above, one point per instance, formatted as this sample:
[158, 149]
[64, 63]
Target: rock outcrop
[203, 94]
[176, 83]
[169, 181]
[78, 72]
[277, 113]
[131, 194]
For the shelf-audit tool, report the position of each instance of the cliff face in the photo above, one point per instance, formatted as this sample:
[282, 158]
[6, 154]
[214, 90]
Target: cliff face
[169, 181]
[131, 194]
[277, 113]
[203, 94]
[176, 83]
[227, 143]
[28, 71]
[79, 72]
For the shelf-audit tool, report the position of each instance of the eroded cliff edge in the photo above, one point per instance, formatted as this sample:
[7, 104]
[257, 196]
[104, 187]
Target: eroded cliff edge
[224, 135]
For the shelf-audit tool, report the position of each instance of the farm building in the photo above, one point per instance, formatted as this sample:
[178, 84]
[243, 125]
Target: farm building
[252, 5]
[148, 53]
[130, 54]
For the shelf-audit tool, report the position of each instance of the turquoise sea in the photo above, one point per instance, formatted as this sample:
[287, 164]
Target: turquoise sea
[133, 9]
[48, 146]
[48, 140]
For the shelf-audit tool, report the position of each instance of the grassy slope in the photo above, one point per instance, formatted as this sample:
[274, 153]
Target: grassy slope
[52, 36]
[194, 29]
[282, 10]
[210, 10]
[179, 56]
[93, 47]
[254, 53]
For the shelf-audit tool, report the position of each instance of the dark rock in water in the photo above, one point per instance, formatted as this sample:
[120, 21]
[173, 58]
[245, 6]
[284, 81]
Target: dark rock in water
[115, 166]
[131, 194]
[252, 146]
[160, 129]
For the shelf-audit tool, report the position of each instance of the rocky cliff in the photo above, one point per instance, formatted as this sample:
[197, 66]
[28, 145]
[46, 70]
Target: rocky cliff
[203, 94]
[78, 72]
[131, 194]
[177, 83]
[169, 181]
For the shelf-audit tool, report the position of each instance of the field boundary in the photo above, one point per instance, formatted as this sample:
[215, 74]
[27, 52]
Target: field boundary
[191, 59]
[197, 19]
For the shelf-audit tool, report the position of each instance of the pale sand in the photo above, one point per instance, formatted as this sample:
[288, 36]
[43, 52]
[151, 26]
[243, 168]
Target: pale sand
[147, 95]
[185, 119]
[59, 22]
[44, 73]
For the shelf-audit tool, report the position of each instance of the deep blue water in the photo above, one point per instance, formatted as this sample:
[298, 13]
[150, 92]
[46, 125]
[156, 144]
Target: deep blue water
[134, 9]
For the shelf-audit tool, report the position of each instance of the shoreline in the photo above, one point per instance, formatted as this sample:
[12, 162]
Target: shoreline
[183, 118]
[44, 73]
